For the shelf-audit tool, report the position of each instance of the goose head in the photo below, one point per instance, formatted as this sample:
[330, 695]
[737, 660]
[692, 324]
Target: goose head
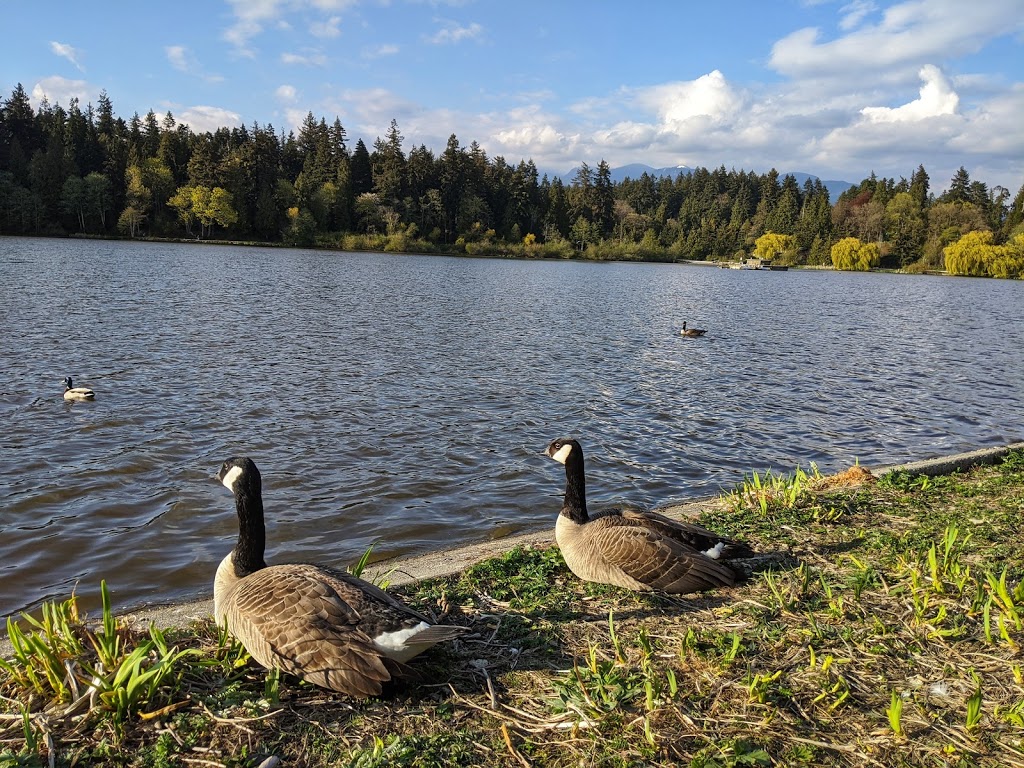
[561, 449]
[67, 383]
[239, 473]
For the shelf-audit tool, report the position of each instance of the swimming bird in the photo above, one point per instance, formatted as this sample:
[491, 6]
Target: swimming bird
[72, 392]
[691, 332]
[634, 548]
[323, 625]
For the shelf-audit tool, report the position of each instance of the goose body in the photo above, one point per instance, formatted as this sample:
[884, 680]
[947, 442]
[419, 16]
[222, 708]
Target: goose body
[637, 549]
[691, 332]
[323, 625]
[71, 392]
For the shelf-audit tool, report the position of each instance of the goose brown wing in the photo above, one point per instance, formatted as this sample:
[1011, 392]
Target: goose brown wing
[381, 612]
[292, 618]
[654, 559]
[688, 534]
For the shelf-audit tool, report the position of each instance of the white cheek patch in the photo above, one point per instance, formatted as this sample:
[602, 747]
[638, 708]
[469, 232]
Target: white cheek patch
[562, 453]
[231, 477]
[716, 551]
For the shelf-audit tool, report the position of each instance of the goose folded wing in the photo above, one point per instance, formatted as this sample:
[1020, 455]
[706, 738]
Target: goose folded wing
[659, 561]
[365, 597]
[295, 621]
[687, 533]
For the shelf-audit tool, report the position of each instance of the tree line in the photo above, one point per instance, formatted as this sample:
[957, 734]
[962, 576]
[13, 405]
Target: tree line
[90, 172]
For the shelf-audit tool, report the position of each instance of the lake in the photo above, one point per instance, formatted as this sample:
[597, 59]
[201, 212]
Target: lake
[404, 401]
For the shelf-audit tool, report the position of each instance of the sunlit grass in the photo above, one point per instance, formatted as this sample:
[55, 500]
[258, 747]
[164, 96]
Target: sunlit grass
[895, 639]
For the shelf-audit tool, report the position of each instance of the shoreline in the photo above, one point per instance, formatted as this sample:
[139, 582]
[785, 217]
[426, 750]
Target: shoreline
[448, 562]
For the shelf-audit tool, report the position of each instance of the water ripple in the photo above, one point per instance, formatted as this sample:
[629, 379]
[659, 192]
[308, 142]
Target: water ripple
[405, 401]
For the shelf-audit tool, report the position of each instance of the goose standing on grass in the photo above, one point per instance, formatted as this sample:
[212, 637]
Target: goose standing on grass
[325, 626]
[691, 332]
[633, 548]
[71, 392]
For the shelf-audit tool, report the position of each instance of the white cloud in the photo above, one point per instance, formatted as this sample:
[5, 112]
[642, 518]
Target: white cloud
[60, 90]
[202, 119]
[709, 97]
[995, 128]
[182, 60]
[854, 13]
[881, 86]
[294, 118]
[328, 29]
[311, 59]
[908, 33]
[453, 33]
[380, 51]
[937, 98]
[250, 18]
[333, 5]
[178, 56]
[67, 52]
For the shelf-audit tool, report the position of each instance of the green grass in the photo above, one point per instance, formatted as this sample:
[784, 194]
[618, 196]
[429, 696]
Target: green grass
[895, 640]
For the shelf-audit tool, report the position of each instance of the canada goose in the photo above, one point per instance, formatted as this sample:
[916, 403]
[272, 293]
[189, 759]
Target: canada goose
[634, 548]
[72, 392]
[325, 626]
[691, 332]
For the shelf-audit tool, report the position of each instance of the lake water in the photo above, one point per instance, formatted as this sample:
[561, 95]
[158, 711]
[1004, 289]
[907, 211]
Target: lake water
[405, 400]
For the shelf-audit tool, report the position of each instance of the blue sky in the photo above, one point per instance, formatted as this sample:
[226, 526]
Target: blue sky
[838, 89]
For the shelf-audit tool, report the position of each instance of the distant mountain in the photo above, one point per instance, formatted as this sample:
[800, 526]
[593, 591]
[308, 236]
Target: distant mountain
[835, 188]
[636, 170]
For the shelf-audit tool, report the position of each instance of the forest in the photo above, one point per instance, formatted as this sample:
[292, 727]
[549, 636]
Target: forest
[88, 172]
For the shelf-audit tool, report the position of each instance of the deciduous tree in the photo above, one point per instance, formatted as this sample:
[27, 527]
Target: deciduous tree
[851, 254]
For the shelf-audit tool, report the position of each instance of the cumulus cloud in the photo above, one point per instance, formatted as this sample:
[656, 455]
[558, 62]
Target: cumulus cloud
[708, 97]
[937, 98]
[452, 33]
[202, 118]
[879, 86]
[995, 128]
[67, 52]
[61, 90]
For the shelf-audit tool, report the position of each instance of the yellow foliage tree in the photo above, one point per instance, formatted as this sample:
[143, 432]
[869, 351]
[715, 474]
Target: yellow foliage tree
[851, 255]
[770, 244]
[971, 254]
[1009, 262]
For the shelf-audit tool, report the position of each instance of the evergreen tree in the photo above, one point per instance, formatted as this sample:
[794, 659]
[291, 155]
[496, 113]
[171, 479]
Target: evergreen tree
[361, 170]
[959, 188]
[388, 164]
[919, 187]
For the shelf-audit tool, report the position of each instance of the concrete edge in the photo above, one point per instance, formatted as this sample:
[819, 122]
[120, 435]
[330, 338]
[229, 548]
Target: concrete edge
[443, 563]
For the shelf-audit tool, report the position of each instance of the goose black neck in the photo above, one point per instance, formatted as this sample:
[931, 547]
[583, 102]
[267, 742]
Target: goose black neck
[247, 556]
[575, 504]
